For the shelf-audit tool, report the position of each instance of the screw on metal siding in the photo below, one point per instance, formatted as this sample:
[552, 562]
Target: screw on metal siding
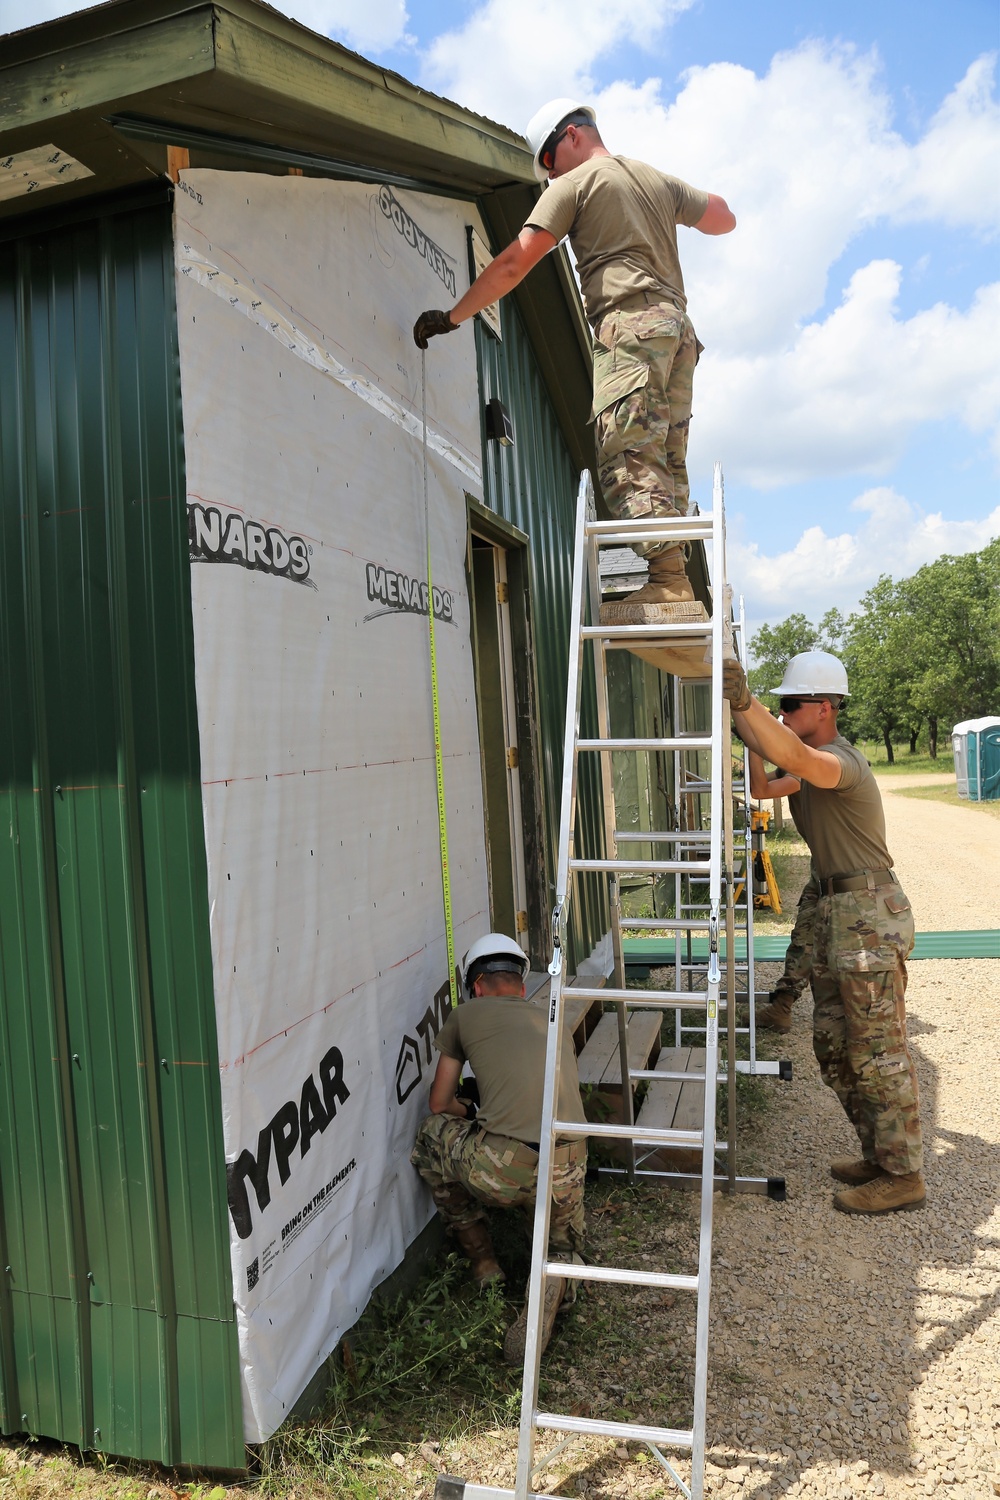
[76, 1059]
[97, 1434]
[163, 1065]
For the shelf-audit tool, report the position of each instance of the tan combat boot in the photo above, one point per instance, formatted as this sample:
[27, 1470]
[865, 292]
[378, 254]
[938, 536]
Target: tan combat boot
[777, 1015]
[475, 1241]
[667, 599]
[885, 1194]
[857, 1173]
[517, 1333]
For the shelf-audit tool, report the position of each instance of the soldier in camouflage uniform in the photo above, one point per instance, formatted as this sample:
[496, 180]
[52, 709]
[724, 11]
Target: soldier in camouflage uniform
[863, 930]
[474, 1158]
[621, 217]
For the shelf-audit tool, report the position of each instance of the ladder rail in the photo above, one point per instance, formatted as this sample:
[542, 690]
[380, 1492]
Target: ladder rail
[567, 818]
[720, 722]
[708, 864]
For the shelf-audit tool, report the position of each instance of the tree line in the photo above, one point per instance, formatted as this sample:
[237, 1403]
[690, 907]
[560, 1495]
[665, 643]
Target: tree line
[920, 652]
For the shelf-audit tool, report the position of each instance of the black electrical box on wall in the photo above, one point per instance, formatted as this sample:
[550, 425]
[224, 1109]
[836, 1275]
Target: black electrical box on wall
[499, 427]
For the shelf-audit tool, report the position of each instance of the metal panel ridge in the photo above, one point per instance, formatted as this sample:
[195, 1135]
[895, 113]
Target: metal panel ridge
[117, 1329]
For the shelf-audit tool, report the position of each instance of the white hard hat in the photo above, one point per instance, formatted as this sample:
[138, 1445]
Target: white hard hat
[814, 674]
[493, 954]
[544, 122]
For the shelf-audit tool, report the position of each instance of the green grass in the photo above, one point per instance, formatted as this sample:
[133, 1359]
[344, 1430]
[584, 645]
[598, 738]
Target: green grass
[948, 794]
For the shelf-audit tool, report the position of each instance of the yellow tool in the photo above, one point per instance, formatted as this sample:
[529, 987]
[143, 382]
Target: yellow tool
[765, 884]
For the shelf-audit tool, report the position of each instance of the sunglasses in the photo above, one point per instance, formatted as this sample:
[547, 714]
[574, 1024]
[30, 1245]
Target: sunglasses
[547, 155]
[790, 705]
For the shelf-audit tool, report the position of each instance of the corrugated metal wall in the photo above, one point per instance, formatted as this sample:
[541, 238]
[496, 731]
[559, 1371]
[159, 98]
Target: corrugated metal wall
[116, 1312]
[533, 485]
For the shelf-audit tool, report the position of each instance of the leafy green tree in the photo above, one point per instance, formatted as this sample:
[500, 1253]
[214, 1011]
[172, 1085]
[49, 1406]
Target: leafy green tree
[953, 611]
[924, 650]
[875, 652]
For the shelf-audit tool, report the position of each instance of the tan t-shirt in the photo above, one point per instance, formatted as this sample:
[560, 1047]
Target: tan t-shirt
[844, 826]
[621, 217]
[503, 1040]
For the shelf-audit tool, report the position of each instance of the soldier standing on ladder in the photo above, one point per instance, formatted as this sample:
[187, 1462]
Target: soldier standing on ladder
[621, 217]
[863, 929]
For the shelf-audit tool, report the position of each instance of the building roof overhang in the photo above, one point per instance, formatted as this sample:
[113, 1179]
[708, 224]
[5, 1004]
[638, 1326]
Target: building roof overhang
[240, 86]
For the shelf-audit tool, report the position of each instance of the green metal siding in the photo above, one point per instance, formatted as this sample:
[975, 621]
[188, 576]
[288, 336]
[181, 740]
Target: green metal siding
[533, 484]
[117, 1328]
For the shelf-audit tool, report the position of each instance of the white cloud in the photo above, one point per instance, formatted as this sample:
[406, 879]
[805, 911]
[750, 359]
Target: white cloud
[17, 15]
[952, 172]
[824, 571]
[512, 55]
[371, 27]
[846, 394]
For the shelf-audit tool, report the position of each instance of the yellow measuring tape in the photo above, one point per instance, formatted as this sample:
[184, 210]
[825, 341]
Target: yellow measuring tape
[449, 930]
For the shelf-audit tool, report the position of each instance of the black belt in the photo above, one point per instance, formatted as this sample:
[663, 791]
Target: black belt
[864, 880]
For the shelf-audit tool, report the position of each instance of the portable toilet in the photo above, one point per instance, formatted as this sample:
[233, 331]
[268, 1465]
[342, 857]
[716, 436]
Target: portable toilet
[976, 747]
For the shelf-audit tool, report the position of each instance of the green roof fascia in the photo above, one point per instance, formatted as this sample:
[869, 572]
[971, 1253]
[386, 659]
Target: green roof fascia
[58, 83]
[267, 76]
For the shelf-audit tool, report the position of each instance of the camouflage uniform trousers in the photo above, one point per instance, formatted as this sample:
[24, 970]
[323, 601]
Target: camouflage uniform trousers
[451, 1154]
[798, 959]
[860, 944]
[645, 352]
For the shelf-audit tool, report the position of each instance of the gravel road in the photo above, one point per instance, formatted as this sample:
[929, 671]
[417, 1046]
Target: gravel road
[851, 1356]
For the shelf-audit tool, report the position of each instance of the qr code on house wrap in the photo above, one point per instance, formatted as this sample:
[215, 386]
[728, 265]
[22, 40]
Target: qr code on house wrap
[253, 1273]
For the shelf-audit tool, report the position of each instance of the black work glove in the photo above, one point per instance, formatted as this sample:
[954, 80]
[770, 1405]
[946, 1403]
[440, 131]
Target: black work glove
[471, 1107]
[734, 685]
[429, 323]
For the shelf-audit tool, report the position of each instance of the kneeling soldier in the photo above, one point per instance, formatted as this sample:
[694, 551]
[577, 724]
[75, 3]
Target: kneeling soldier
[472, 1159]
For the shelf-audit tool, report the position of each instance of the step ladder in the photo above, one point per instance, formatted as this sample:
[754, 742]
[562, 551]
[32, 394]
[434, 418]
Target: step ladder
[701, 861]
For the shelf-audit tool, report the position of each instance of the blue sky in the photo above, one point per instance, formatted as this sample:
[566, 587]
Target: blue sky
[851, 384]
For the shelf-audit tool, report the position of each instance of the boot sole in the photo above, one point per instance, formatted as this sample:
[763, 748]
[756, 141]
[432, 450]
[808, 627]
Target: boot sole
[876, 1213]
[687, 612]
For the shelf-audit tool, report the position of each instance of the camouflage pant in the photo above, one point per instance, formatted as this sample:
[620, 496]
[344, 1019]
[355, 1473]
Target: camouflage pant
[798, 959]
[860, 945]
[489, 1169]
[644, 359]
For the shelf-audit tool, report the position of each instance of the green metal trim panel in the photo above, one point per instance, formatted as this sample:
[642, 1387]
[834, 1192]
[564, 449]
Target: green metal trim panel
[117, 1327]
[533, 484]
[984, 943]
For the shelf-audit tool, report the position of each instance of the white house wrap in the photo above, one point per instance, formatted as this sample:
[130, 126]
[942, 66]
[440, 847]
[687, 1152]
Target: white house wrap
[302, 425]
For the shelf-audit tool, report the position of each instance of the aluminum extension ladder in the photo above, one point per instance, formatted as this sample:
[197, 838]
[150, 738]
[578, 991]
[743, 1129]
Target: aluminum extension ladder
[706, 858]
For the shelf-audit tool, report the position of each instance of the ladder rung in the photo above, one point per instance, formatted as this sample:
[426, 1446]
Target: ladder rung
[673, 924]
[643, 866]
[642, 999]
[668, 1281]
[624, 836]
[639, 530]
[644, 744]
[675, 1438]
[648, 1137]
[656, 1075]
